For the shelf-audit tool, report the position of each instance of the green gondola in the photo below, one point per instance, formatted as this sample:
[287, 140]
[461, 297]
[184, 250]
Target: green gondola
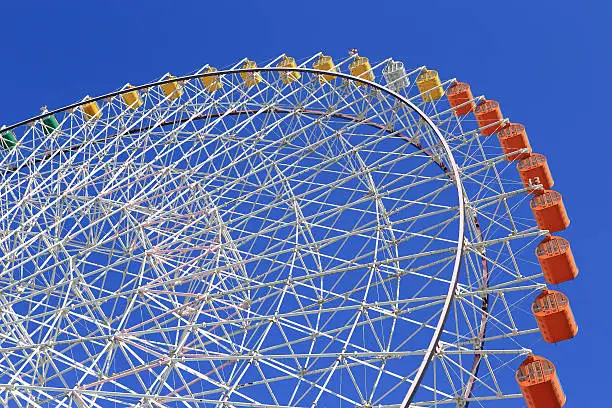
[8, 140]
[49, 124]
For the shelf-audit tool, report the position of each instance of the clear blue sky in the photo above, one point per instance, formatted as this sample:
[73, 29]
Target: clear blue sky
[547, 62]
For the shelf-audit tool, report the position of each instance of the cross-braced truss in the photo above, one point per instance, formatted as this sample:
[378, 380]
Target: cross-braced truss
[288, 245]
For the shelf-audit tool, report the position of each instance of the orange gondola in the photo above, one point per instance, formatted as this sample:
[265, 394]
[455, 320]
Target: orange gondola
[539, 384]
[513, 137]
[549, 211]
[534, 170]
[556, 260]
[489, 117]
[460, 94]
[554, 316]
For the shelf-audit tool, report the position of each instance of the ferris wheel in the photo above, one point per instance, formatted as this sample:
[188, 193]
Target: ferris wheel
[315, 233]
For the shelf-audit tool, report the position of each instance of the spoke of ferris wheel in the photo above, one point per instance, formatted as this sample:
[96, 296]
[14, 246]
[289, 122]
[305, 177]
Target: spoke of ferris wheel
[487, 201]
[480, 250]
[253, 318]
[512, 271]
[479, 167]
[501, 336]
[453, 401]
[490, 374]
[507, 309]
[492, 318]
[381, 355]
[343, 269]
[477, 246]
[505, 244]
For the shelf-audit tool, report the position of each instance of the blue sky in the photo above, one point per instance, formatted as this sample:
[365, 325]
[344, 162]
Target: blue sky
[547, 62]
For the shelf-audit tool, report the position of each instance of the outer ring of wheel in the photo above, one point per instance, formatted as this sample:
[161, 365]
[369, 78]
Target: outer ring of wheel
[453, 170]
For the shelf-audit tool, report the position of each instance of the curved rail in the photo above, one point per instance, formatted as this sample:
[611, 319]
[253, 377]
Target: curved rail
[453, 170]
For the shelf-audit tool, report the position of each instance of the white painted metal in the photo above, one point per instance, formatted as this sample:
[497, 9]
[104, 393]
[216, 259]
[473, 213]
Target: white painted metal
[275, 245]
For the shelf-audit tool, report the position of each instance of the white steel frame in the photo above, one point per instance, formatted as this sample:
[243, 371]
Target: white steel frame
[92, 180]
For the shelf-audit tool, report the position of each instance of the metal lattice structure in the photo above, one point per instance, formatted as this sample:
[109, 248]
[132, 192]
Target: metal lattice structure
[280, 239]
